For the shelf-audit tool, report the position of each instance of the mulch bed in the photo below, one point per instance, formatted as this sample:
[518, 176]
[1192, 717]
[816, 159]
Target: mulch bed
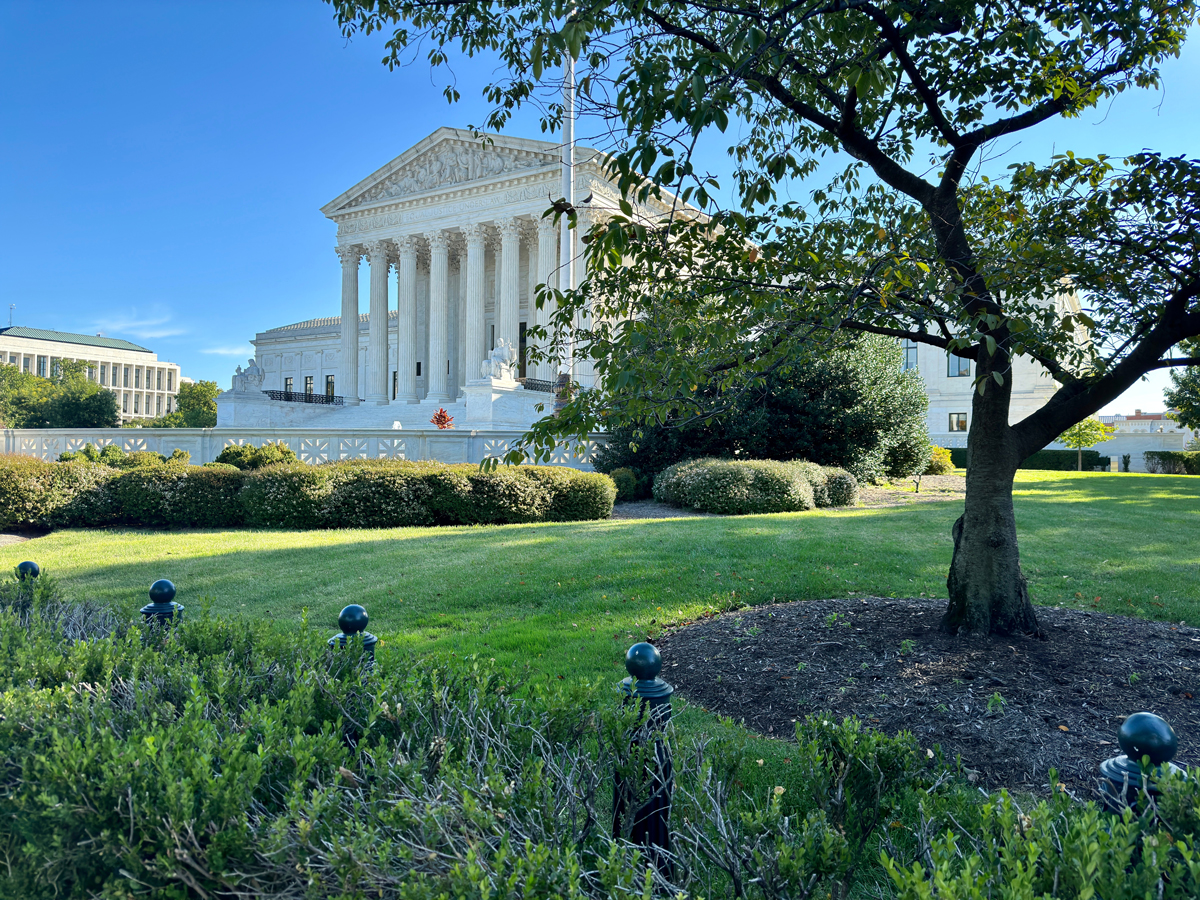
[1063, 698]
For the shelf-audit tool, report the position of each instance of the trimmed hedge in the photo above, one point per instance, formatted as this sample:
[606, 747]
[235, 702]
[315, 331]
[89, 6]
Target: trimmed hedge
[1171, 462]
[345, 494]
[741, 487]
[1046, 460]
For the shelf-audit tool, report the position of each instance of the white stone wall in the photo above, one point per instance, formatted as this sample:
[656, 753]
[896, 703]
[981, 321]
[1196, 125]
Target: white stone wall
[312, 446]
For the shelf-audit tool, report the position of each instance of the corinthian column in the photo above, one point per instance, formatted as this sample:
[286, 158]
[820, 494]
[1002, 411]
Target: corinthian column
[377, 324]
[476, 348]
[508, 306]
[439, 319]
[348, 381]
[547, 257]
[406, 321]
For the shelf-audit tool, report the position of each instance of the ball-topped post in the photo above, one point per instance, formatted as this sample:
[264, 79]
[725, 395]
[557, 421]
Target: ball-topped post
[162, 608]
[1141, 736]
[353, 620]
[639, 818]
[27, 570]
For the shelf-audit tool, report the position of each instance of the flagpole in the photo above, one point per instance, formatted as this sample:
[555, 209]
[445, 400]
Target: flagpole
[566, 259]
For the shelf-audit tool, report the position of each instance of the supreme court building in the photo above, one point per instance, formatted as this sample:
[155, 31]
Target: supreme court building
[453, 234]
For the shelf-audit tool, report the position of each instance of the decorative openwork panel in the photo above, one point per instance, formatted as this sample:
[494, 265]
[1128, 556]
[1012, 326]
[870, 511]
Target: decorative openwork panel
[391, 448]
[314, 450]
[352, 448]
[135, 444]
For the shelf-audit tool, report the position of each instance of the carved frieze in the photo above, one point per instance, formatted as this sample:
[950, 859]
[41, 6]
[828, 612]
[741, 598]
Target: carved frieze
[453, 208]
[449, 165]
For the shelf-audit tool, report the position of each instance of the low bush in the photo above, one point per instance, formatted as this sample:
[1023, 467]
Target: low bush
[344, 494]
[626, 482]
[246, 456]
[841, 487]
[1172, 462]
[940, 462]
[1047, 460]
[733, 487]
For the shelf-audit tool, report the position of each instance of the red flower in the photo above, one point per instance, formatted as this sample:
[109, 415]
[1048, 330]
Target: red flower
[442, 419]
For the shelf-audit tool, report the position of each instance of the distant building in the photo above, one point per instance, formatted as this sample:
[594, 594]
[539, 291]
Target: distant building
[144, 385]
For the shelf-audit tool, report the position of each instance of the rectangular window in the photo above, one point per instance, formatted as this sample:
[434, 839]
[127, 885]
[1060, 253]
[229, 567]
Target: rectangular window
[13, 359]
[328, 385]
[287, 385]
[308, 384]
[958, 421]
[104, 373]
[137, 377]
[418, 370]
[125, 375]
[170, 379]
[169, 404]
[910, 354]
[137, 404]
[41, 365]
[395, 382]
[91, 373]
[158, 406]
[957, 367]
[158, 380]
[125, 403]
[28, 362]
[54, 365]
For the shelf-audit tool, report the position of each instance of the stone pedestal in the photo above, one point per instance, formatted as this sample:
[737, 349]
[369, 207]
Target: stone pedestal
[250, 409]
[503, 403]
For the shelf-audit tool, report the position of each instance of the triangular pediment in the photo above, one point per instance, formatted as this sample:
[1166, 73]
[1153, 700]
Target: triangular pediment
[447, 159]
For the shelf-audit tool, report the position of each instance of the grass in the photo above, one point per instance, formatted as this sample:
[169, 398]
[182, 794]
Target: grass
[568, 599]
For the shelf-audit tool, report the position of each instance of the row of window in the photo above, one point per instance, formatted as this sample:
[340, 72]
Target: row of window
[956, 366]
[45, 365]
[138, 405]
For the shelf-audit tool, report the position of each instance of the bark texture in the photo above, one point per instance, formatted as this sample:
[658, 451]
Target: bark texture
[988, 591]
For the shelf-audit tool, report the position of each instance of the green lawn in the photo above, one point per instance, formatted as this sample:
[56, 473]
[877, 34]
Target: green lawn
[568, 599]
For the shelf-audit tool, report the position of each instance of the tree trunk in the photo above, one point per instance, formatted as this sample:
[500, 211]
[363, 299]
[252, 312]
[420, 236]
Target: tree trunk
[988, 592]
[1080, 451]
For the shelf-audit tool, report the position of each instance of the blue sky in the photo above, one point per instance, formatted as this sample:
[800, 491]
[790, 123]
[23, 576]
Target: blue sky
[162, 164]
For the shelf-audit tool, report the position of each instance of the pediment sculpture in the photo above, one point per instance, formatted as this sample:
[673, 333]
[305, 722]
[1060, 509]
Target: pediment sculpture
[448, 166]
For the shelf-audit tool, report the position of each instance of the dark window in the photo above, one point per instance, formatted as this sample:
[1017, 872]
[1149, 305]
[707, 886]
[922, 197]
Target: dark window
[287, 385]
[124, 403]
[103, 373]
[308, 384]
[395, 382]
[521, 351]
[910, 354]
[328, 385]
[158, 380]
[418, 370]
[126, 377]
[170, 380]
[158, 406]
[958, 421]
[957, 367]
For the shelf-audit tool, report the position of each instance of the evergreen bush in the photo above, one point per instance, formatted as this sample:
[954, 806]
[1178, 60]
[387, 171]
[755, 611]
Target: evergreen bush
[732, 487]
[841, 487]
[626, 482]
[1046, 460]
[247, 456]
[1172, 462]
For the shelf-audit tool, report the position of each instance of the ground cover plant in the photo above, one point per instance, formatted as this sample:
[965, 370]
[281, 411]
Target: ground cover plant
[224, 757]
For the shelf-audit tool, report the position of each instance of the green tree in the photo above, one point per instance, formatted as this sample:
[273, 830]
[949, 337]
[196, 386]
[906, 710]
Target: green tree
[854, 408]
[1184, 394]
[195, 407]
[1087, 433]
[67, 399]
[895, 105]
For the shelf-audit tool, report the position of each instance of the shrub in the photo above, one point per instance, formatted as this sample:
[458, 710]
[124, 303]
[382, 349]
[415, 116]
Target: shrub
[1172, 462]
[626, 482]
[574, 496]
[221, 467]
[854, 407]
[1125, 458]
[734, 488]
[287, 495]
[378, 494]
[940, 462]
[246, 456]
[32, 492]
[1047, 460]
[842, 487]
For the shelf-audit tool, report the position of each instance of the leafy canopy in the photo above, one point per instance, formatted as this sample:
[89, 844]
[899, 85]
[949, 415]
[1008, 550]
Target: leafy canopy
[1087, 433]
[195, 407]
[67, 399]
[1087, 265]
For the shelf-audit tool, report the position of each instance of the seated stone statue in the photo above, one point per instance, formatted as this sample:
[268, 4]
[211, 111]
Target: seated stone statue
[501, 362]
